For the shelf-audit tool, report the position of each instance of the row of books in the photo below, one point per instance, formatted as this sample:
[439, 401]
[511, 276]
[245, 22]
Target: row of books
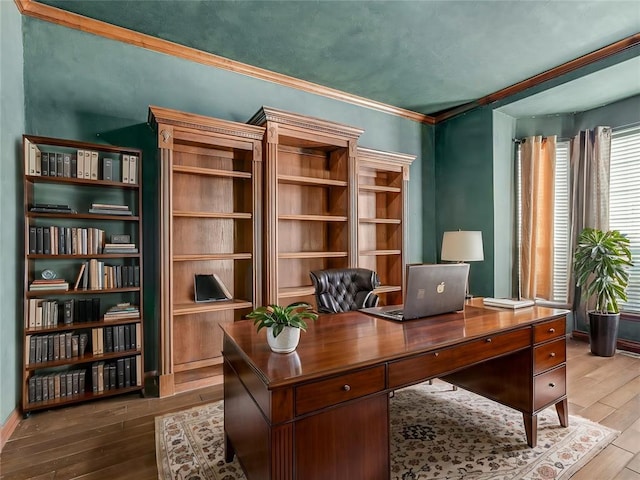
[83, 164]
[54, 240]
[96, 275]
[43, 387]
[51, 313]
[118, 338]
[120, 373]
[54, 347]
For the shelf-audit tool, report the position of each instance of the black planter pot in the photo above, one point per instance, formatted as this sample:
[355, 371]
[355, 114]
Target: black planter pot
[603, 333]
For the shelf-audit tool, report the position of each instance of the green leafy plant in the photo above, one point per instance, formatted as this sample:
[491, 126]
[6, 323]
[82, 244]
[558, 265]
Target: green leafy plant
[600, 263]
[278, 317]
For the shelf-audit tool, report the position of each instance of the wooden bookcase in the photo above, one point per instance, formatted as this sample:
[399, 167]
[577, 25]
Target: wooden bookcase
[211, 222]
[59, 322]
[309, 207]
[383, 179]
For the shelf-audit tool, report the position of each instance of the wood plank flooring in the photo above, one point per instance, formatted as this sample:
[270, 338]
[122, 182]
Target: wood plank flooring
[114, 438]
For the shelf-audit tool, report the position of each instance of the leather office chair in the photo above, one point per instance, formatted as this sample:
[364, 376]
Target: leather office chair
[343, 289]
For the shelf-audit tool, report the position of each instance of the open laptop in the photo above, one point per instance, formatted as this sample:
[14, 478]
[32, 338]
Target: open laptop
[432, 289]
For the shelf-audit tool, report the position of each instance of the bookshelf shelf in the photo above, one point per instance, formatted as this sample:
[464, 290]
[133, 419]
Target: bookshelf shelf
[52, 167]
[211, 185]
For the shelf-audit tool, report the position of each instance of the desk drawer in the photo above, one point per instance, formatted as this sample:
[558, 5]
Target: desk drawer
[490, 347]
[548, 330]
[417, 369]
[549, 355]
[332, 391]
[549, 386]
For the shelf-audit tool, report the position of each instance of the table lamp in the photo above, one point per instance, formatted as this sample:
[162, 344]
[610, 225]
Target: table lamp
[462, 246]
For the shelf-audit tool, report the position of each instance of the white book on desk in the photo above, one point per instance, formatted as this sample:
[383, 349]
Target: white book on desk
[508, 302]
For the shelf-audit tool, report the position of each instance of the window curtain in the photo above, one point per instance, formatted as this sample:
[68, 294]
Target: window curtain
[590, 154]
[537, 170]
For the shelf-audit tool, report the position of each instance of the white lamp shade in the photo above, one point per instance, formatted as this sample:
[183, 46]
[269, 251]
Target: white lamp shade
[462, 246]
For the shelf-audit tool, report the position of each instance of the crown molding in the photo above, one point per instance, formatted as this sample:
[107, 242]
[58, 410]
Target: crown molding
[78, 22]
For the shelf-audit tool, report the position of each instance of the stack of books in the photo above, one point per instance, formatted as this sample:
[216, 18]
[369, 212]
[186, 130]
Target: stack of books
[54, 284]
[109, 209]
[122, 311]
[51, 208]
[119, 248]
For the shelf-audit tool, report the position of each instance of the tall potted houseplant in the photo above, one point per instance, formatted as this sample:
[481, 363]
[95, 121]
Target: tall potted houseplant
[600, 263]
[283, 324]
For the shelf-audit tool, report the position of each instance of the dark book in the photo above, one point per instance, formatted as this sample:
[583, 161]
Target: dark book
[68, 311]
[127, 372]
[120, 332]
[32, 349]
[82, 345]
[63, 384]
[38, 388]
[33, 247]
[75, 341]
[209, 288]
[45, 389]
[134, 370]
[112, 376]
[52, 387]
[108, 340]
[127, 337]
[136, 276]
[95, 309]
[56, 346]
[82, 375]
[66, 165]
[50, 348]
[94, 377]
[67, 344]
[75, 382]
[68, 240]
[61, 241]
[44, 160]
[69, 381]
[45, 349]
[81, 313]
[38, 349]
[53, 169]
[120, 372]
[74, 166]
[107, 169]
[39, 240]
[59, 165]
[120, 238]
[46, 241]
[32, 389]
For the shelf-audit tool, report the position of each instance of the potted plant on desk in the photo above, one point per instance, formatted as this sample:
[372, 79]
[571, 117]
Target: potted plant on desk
[283, 324]
[600, 263]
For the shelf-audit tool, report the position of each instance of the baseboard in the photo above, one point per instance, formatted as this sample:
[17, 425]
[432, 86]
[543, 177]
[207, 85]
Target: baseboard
[621, 344]
[9, 426]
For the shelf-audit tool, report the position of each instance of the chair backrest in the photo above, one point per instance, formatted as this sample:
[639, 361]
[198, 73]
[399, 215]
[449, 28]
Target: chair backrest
[344, 289]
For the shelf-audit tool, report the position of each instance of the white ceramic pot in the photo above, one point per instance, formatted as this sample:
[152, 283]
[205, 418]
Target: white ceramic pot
[286, 342]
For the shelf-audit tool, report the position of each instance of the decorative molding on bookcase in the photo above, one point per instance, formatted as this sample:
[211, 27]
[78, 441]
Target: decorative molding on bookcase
[96, 27]
[13, 420]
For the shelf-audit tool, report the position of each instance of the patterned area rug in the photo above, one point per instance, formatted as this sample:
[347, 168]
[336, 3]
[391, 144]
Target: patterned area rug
[437, 433]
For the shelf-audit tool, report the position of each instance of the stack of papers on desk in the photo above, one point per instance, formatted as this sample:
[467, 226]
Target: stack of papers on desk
[508, 302]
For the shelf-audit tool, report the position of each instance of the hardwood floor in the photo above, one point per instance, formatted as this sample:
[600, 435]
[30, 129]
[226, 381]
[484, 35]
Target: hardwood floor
[114, 438]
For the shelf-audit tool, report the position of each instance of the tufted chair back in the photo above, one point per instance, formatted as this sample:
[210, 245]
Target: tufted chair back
[344, 289]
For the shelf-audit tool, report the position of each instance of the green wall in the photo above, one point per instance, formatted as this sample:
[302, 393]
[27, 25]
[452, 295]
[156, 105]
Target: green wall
[12, 124]
[80, 86]
[464, 194]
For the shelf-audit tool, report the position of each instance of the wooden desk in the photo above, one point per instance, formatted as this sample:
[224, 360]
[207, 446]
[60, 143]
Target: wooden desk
[323, 411]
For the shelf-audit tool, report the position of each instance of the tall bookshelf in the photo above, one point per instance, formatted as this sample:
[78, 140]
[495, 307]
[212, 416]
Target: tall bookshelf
[310, 186]
[211, 222]
[383, 179]
[74, 351]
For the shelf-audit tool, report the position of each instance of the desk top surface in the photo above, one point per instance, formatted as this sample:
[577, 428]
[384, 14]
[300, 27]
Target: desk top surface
[340, 342]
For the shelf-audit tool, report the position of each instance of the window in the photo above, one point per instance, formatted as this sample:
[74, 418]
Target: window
[624, 212]
[624, 202]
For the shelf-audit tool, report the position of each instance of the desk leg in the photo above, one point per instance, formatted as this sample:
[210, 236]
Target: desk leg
[563, 412]
[229, 452]
[531, 429]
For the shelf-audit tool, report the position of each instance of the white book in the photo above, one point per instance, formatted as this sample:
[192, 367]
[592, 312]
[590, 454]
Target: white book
[133, 169]
[87, 165]
[27, 156]
[94, 165]
[80, 164]
[125, 168]
[508, 302]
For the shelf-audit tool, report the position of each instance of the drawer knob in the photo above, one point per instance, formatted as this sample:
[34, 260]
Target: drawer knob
[552, 354]
[552, 385]
[436, 354]
[488, 340]
[346, 387]
[552, 330]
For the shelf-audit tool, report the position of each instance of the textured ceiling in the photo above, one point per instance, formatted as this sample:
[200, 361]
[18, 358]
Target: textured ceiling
[425, 56]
